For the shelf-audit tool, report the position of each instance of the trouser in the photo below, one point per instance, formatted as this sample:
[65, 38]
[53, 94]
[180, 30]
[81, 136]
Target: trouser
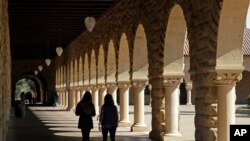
[111, 131]
[85, 134]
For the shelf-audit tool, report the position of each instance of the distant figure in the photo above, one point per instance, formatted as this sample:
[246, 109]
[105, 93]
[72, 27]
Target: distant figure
[86, 110]
[56, 98]
[108, 118]
[29, 97]
[33, 97]
[20, 110]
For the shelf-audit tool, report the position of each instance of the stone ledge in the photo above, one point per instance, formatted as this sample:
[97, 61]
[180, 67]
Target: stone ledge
[243, 110]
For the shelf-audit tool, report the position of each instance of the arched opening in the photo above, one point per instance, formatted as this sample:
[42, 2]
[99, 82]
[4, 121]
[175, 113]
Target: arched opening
[111, 65]
[93, 68]
[86, 70]
[101, 68]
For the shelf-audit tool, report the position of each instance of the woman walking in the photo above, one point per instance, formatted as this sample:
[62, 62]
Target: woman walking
[85, 109]
[108, 118]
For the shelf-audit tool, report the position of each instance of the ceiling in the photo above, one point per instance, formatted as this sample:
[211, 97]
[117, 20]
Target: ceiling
[37, 27]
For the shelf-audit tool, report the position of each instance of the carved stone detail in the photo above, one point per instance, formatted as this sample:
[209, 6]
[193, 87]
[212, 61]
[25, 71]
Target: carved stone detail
[226, 78]
[124, 84]
[172, 81]
[139, 83]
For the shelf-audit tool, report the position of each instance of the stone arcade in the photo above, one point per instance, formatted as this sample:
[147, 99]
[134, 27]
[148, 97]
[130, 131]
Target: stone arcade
[140, 43]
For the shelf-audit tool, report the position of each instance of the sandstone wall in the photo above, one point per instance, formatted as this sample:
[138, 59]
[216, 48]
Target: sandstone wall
[5, 70]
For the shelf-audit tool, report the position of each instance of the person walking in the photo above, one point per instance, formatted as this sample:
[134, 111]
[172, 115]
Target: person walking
[108, 120]
[86, 110]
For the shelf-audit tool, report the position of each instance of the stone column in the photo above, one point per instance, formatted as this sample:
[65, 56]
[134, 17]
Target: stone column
[102, 92]
[94, 90]
[139, 117]
[111, 89]
[172, 94]
[226, 102]
[189, 96]
[66, 92]
[124, 104]
[82, 92]
[78, 97]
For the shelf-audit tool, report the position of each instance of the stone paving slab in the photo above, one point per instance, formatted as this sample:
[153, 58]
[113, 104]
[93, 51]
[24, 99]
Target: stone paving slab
[43, 123]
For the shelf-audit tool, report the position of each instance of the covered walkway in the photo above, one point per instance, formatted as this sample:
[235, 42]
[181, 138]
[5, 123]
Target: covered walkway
[55, 124]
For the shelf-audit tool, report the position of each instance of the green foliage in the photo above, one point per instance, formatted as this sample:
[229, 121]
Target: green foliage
[24, 85]
[248, 100]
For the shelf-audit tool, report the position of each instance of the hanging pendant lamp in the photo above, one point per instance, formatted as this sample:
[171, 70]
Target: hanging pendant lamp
[89, 23]
[40, 68]
[59, 51]
[35, 72]
[47, 62]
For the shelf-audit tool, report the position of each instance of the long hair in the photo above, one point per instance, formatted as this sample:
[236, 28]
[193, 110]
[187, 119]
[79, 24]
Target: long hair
[108, 100]
[86, 102]
[87, 97]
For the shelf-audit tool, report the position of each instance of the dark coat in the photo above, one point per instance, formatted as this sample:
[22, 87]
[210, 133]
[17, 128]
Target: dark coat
[109, 116]
[85, 111]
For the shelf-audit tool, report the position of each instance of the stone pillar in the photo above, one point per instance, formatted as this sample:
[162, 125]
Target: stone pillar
[226, 102]
[111, 89]
[71, 99]
[189, 96]
[139, 117]
[172, 94]
[124, 104]
[102, 92]
[158, 111]
[78, 97]
[82, 92]
[66, 92]
[94, 90]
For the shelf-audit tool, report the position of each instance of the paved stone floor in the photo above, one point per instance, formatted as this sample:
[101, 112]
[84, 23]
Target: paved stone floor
[54, 124]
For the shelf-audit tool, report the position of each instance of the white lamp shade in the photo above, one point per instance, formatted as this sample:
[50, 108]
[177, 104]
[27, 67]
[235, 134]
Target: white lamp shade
[47, 61]
[35, 72]
[59, 51]
[90, 23]
[40, 68]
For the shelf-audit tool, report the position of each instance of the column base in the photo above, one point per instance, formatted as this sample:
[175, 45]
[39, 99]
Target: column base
[189, 104]
[172, 137]
[124, 124]
[139, 128]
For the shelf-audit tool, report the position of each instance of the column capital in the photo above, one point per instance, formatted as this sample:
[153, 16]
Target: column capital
[189, 85]
[94, 87]
[170, 81]
[139, 83]
[225, 78]
[125, 84]
[111, 84]
[101, 86]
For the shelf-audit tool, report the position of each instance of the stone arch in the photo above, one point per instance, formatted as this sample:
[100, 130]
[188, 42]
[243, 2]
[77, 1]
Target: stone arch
[140, 55]
[64, 76]
[123, 60]
[76, 73]
[71, 73]
[111, 63]
[86, 70]
[230, 34]
[39, 86]
[101, 67]
[174, 43]
[93, 68]
[80, 71]
[229, 61]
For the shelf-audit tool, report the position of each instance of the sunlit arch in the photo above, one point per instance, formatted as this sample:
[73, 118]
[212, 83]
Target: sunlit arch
[174, 43]
[140, 55]
[111, 65]
[101, 67]
[123, 59]
[93, 68]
